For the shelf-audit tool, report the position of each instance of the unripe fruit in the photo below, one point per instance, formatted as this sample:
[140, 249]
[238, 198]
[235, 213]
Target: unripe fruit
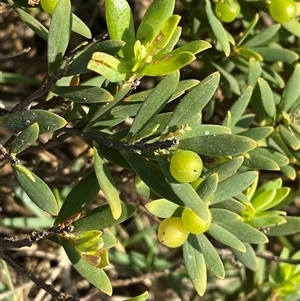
[172, 233]
[282, 11]
[227, 10]
[194, 223]
[185, 166]
[49, 5]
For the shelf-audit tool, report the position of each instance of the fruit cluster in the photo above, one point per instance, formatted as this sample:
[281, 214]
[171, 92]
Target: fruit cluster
[282, 11]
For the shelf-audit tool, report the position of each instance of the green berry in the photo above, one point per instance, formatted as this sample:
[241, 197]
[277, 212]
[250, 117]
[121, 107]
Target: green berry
[194, 223]
[49, 5]
[172, 233]
[227, 10]
[185, 166]
[282, 11]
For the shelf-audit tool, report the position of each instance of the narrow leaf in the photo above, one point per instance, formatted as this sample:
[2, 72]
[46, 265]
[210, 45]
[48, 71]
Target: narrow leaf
[38, 191]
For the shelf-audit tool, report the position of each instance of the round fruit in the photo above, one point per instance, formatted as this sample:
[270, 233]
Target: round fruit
[227, 10]
[282, 11]
[185, 166]
[172, 233]
[49, 5]
[193, 222]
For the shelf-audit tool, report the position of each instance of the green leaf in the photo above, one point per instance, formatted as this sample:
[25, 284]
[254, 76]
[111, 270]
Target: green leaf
[293, 27]
[84, 192]
[226, 169]
[47, 121]
[33, 23]
[217, 28]
[195, 263]
[248, 54]
[107, 184]
[153, 20]
[248, 258]
[163, 208]
[94, 275]
[221, 216]
[59, 35]
[25, 139]
[263, 38]
[291, 226]
[258, 133]
[261, 161]
[83, 94]
[164, 35]
[110, 67]
[245, 232]
[185, 192]
[152, 175]
[212, 259]
[234, 185]
[154, 103]
[275, 54]
[261, 202]
[167, 64]
[289, 136]
[79, 64]
[229, 204]
[142, 297]
[228, 79]
[121, 26]
[267, 97]
[264, 220]
[254, 71]
[218, 145]
[80, 27]
[38, 191]
[101, 218]
[207, 187]
[189, 110]
[225, 237]
[238, 108]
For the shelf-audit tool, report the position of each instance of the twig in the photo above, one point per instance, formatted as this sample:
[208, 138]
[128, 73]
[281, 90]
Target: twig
[39, 283]
[272, 257]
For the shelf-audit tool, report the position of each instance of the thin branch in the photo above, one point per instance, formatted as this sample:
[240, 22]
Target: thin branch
[39, 283]
[272, 257]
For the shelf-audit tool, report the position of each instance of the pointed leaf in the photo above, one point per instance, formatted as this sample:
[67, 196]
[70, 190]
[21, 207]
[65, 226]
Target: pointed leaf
[267, 219]
[248, 258]
[153, 19]
[233, 186]
[120, 25]
[195, 264]
[275, 54]
[79, 64]
[189, 110]
[238, 108]
[142, 297]
[217, 28]
[167, 64]
[59, 34]
[101, 218]
[207, 188]
[226, 169]
[225, 237]
[33, 23]
[218, 145]
[95, 276]
[84, 192]
[258, 133]
[213, 261]
[163, 208]
[25, 139]
[267, 97]
[107, 184]
[47, 121]
[80, 27]
[83, 94]
[154, 103]
[38, 191]
[289, 136]
[291, 226]
[220, 215]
